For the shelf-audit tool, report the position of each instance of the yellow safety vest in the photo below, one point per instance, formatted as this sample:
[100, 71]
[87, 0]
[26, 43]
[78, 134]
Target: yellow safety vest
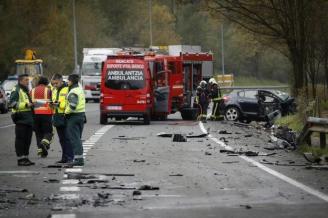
[22, 102]
[80, 107]
[61, 99]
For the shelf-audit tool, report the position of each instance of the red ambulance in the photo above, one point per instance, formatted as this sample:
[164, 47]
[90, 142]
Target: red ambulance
[125, 88]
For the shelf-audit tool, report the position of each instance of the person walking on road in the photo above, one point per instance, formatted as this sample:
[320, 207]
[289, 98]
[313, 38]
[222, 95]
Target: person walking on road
[22, 116]
[202, 99]
[215, 95]
[75, 115]
[59, 94]
[41, 97]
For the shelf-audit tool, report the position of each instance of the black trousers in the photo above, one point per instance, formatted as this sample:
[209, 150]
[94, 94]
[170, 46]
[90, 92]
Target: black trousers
[43, 128]
[67, 149]
[23, 137]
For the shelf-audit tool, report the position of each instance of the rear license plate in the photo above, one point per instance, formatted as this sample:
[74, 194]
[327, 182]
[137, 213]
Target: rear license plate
[115, 108]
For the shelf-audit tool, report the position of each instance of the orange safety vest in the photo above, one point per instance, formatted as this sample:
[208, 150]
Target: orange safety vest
[41, 93]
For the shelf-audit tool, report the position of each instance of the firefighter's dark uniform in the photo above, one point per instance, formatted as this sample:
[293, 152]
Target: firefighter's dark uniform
[75, 114]
[59, 97]
[22, 116]
[202, 100]
[215, 95]
[42, 118]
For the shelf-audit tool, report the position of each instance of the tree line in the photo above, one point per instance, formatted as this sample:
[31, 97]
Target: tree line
[298, 28]
[258, 50]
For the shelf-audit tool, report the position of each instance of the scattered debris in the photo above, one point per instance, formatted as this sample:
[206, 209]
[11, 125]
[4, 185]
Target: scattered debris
[322, 160]
[139, 161]
[59, 166]
[136, 192]
[246, 153]
[198, 136]
[94, 175]
[51, 181]
[317, 167]
[104, 195]
[246, 206]
[286, 134]
[277, 163]
[92, 181]
[241, 124]
[224, 132]
[230, 162]
[30, 196]
[11, 190]
[179, 138]
[110, 187]
[164, 135]
[223, 139]
[129, 138]
[208, 153]
[169, 135]
[148, 187]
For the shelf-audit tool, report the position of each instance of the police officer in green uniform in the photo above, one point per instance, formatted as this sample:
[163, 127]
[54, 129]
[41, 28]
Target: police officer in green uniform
[22, 116]
[59, 94]
[75, 116]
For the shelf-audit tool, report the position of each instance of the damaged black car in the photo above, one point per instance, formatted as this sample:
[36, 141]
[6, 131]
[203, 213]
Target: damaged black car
[256, 105]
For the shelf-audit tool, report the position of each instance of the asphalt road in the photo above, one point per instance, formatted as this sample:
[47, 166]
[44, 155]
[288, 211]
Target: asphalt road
[187, 179]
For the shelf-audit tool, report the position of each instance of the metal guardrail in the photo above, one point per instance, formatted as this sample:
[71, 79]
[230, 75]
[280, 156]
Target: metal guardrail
[314, 124]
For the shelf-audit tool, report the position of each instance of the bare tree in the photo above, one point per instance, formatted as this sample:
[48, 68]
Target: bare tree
[280, 21]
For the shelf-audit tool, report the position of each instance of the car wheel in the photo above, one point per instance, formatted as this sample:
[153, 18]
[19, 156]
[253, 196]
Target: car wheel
[232, 114]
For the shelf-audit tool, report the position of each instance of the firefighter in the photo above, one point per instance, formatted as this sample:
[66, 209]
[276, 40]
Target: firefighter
[215, 95]
[202, 99]
[75, 115]
[41, 97]
[22, 116]
[59, 94]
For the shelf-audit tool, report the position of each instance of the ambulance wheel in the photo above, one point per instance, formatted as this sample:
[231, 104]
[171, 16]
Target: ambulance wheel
[146, 119]
[103, 119]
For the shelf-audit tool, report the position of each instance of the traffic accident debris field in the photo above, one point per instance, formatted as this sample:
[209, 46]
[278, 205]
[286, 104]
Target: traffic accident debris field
[184, 174]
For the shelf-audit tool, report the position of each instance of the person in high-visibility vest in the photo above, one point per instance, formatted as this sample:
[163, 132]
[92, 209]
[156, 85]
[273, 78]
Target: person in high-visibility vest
[75, 117]
[22, 116]
[215, 95]
[59, 94]
[41, 97]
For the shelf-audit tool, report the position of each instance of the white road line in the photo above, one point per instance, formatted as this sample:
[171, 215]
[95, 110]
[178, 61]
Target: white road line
[10, 125]
[271, 171]
[68, 196]
[69, 189]
[86, 146]
[73, 170]
[70, 181]
[63, 216]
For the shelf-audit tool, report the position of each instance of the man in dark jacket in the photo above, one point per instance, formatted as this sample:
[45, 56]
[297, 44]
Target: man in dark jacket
[22, 115]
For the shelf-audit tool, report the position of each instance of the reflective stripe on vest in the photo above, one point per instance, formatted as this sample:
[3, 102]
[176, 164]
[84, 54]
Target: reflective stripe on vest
[22, 102]
[44, 108]
[61, 99]
[80, 107]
